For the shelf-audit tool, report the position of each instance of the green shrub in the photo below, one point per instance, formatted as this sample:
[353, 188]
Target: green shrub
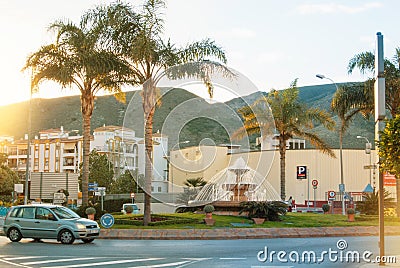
[208, 209]
[90, 211]
[129, 209]
[326, 207]
[270, 210]
[350, 211]
[370, 203]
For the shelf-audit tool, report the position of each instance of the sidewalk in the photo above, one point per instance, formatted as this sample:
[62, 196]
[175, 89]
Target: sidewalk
[244, 233]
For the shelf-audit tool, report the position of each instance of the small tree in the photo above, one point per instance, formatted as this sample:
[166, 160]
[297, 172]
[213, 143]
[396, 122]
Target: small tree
[100, 170]
[126, 183]
[389, 153]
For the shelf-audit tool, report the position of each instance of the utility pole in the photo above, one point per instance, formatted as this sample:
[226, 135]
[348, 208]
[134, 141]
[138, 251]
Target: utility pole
[380, 114]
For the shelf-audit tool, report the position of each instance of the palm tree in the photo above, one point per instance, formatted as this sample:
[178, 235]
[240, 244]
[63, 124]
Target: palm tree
[344, 104]
[291, 119]
[195, 182]
[79, 59]
[365, 62]
[137, 35]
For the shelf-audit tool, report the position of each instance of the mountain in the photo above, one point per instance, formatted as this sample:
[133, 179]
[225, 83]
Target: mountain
[181, 116]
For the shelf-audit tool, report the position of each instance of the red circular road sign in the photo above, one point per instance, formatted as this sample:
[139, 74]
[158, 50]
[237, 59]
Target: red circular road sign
[314, 183]
[132, 195]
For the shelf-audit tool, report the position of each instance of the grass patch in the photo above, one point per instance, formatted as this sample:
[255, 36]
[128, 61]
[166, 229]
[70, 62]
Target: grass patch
[290, 220]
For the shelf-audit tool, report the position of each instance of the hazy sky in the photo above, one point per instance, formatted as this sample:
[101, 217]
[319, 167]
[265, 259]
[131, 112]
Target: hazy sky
[271, 42]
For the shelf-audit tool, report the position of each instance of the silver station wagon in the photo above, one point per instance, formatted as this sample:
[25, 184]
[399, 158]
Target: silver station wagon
[41, 221]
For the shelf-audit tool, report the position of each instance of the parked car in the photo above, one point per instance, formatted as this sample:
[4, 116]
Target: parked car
[40, 221]
[134, 206]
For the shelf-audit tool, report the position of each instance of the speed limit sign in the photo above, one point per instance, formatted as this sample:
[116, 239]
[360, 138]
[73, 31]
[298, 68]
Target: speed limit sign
[314, 183]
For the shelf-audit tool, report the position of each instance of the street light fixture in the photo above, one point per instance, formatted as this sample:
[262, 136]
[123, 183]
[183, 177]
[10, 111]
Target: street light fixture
[341, 186]
[368, 147]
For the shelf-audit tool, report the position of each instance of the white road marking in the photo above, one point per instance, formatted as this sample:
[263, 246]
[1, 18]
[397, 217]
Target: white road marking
[233, 258]
[14, 264]
[24, 258]
[58, 260]
[104, 263]
[162, 265]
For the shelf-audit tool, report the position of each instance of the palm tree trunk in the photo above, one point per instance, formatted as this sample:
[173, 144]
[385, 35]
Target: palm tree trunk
[87, 105]
[148, 168]
[85, 166]
[282, 152]
[149, 102]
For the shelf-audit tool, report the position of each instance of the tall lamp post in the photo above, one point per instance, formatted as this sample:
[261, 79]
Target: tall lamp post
[368, 147]
[341, 185]
[171, 166]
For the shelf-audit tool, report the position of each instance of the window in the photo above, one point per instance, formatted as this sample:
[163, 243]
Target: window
[44, 214]
[159, 189]
[28, 213]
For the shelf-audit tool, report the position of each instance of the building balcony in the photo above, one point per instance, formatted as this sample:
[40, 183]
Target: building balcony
[68, 155]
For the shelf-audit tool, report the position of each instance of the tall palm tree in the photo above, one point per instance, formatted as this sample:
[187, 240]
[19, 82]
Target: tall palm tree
[365, 62]
[291, 119]
[137, 35]
[346, 103]
[78, 59]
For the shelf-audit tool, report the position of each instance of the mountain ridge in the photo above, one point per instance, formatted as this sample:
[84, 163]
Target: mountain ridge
[212, 121]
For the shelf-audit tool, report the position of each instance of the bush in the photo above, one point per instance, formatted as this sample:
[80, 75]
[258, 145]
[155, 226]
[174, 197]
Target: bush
[350, 211]
[326, 207]
[90, 211]
[270, 210]
[129, 209]
[208, 209]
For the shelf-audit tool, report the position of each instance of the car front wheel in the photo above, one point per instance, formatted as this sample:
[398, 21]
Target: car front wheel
[14, 235]
[66, 237]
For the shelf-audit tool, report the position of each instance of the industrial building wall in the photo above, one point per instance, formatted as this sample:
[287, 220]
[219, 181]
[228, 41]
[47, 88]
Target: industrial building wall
[45, 184]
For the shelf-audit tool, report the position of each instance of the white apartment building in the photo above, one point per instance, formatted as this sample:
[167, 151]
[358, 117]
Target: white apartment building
[127, 152]
[52, 151]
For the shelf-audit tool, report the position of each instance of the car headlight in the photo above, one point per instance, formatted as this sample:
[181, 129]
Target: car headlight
[80, 226]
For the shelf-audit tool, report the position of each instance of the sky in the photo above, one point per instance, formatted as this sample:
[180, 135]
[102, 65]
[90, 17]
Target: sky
[270, 42]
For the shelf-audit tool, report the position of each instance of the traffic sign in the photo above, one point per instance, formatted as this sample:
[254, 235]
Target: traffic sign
[314, 183]
[301, 172]
[132, 195]
[107, 220]
[92, 186]
[341, 187]
[331, 195]
[370, 167]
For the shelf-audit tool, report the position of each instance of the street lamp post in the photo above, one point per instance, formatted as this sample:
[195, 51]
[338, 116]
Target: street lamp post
[171, 166]
[341, 186]
[368, 147]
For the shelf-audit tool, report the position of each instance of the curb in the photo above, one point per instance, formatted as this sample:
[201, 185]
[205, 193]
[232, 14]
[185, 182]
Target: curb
[243, 233]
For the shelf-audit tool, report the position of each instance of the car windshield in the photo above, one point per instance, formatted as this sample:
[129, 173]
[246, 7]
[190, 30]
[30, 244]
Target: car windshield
[64, 213]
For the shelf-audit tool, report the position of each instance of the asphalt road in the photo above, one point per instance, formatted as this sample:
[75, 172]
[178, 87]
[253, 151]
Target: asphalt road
[196, 253]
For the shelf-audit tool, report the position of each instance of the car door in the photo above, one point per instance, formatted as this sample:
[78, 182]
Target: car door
[26, 220]
[46, 223]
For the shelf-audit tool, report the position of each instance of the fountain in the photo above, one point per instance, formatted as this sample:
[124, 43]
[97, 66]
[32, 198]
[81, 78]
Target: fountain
[236, 184]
